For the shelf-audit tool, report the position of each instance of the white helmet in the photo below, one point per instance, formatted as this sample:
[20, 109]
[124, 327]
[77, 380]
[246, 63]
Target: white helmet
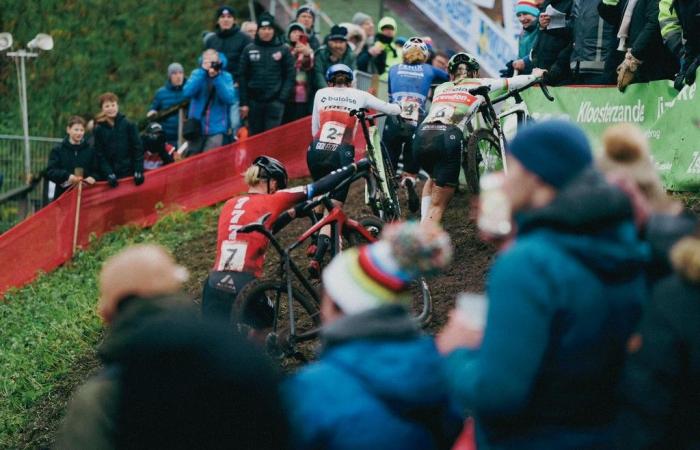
[416, 43]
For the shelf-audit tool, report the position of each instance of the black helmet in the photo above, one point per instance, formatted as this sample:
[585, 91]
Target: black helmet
[462, 58]
[272, 168]
[154, 128]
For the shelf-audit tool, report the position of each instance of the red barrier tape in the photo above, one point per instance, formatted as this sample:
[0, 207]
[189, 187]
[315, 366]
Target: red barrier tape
[44, 241]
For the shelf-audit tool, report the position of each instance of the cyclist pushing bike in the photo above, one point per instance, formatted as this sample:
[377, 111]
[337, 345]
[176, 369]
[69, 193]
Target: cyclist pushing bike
[409, 84]
[240, 257]
[439, 140]
[333, 131]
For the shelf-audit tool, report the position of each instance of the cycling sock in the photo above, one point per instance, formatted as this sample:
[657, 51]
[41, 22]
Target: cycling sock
[424, 207]
[323, 243]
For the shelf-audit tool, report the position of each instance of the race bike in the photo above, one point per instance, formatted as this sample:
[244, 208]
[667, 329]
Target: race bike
[485, 149]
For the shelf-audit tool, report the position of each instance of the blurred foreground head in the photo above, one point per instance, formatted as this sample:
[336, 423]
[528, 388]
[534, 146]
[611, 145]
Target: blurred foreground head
[144, 270]
[186, 384]
[381, 273]
[626, 154]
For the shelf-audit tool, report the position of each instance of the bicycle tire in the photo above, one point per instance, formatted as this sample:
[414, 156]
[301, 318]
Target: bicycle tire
[307, 315]
[483, 156]
[373, 224]
[425, 315]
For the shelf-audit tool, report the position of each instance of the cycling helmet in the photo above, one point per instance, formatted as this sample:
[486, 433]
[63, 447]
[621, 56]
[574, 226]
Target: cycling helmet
[335, 69]
[416, 44]
[272, 169]
[153, 135]
[462, 58]
[154, 129]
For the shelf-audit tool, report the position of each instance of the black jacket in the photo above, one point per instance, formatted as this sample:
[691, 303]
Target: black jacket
[119, 150]
[231, 43]
[661, 384]
[267, 72]
[688, 12]
[644, 39]
[552, 48]
[63, 160]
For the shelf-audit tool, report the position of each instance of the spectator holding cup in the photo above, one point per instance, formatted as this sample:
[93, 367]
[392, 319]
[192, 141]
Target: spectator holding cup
[562, 300]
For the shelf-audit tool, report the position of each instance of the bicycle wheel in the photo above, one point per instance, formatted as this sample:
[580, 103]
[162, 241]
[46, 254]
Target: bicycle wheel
[371, 223]
[261, 311]
[483, 156]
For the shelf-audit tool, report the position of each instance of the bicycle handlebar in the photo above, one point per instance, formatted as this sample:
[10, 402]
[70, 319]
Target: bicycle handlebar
[361, 114]
[513, 93]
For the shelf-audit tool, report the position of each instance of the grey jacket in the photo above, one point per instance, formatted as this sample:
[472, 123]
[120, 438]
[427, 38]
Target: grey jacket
[591, 33]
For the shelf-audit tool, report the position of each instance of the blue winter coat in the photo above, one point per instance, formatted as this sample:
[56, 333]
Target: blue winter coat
[215, 120]
[562, 302]
[166, 97]
[357, 396]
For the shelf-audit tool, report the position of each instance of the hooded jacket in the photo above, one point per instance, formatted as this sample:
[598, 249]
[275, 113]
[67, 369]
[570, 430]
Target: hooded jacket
[166, 97]
[661, 383]
[267, 72]
[378, 384]
[118, 147]
[231, 43]
[215, 119]
[591, 34]
[91, 417]
[563, 300]
[63, 160]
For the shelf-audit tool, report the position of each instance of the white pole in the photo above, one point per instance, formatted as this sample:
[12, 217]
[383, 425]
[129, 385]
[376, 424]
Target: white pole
[25, 121]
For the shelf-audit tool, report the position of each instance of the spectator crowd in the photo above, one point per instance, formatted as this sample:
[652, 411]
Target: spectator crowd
[587, 335]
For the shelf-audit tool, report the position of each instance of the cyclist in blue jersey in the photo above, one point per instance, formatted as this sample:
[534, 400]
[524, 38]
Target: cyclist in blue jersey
[409, 84]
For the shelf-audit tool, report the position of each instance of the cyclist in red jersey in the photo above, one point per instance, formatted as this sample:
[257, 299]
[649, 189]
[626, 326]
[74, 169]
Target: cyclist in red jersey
[333, 131]
[240, 257]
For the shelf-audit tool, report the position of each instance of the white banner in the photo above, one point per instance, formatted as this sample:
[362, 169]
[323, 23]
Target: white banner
[473, 30]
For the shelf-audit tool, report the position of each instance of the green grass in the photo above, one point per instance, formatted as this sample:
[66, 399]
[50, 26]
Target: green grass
[343, 10]
[47, 326]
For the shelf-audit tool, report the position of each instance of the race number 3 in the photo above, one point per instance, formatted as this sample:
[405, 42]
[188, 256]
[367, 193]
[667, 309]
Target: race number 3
[332, 132]
[232, 255]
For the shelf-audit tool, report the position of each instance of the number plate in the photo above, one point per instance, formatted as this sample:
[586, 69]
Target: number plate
[410, 110]
[443, 113]
[232, 255]
[332, 132]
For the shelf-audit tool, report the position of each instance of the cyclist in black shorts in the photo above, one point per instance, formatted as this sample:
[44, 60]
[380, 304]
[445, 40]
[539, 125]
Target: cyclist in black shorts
[439, 140]
[333, 131]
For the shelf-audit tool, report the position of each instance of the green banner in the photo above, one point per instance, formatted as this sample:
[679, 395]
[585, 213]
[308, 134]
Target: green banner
[671, 120]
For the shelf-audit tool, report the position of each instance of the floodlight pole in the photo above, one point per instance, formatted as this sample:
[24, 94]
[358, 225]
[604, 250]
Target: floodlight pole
[22, 79]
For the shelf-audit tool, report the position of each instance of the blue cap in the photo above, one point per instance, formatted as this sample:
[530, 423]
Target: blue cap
[554, 150]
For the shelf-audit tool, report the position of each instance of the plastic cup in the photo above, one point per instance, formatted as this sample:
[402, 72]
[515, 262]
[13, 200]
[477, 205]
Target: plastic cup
[472, 309]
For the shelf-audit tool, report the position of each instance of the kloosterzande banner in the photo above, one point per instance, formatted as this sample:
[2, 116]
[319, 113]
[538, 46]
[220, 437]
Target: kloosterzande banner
[473, 30]
[670, 119]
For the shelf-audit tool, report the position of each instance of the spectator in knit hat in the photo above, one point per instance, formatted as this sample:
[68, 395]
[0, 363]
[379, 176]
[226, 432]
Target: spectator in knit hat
[267, 78]
[390, 55]
[166, 97]
[306, 16]
[660, 388]
[527, 12]
[336, 51]
[563, 299]
[662, 221]
[136, 285]
[229, 40]
[378, 383]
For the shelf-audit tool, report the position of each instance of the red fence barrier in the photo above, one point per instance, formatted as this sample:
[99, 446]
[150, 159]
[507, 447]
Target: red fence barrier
[44, 241]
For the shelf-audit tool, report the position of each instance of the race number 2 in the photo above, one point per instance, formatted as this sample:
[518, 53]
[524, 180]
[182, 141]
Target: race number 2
[232, 256]
[332, 132]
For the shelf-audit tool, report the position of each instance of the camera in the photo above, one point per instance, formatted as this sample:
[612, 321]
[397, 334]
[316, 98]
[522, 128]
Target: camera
[216, 65]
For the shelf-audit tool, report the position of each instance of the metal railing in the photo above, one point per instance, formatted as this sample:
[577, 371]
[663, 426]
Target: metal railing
[18, 203]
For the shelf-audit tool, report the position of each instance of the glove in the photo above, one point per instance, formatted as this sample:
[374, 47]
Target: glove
[138, 178]
[508, 71]
[687, 73]
[112, 180]
[363, 164]
[627, 70]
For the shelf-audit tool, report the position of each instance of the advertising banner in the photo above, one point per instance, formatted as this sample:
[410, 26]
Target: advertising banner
[670, 119]
[472, 30]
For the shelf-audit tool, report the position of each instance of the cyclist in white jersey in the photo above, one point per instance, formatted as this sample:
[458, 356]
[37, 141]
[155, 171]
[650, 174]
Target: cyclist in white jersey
[333, 131]
[439, 140]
